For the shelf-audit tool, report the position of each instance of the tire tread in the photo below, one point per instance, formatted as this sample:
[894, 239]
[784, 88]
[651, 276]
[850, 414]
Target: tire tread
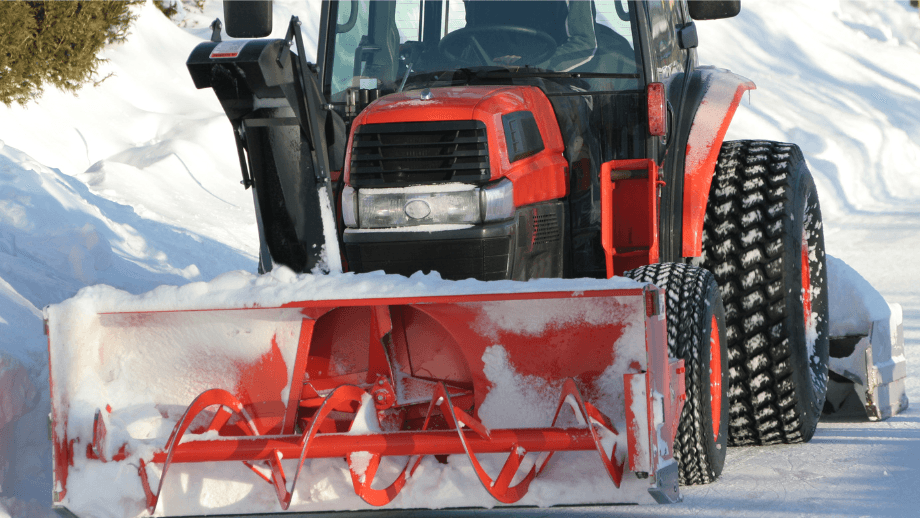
[744, 249]
[687, 304]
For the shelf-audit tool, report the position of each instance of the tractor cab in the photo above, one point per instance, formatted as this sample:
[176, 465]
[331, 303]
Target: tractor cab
[409, 45]
[491, 119]
[461, 137]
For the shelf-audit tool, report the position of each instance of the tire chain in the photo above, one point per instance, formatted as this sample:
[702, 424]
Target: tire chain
[685, 286]
[742, 246]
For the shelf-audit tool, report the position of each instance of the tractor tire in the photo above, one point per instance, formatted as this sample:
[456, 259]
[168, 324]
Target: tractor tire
[696, 334]
[763, 240]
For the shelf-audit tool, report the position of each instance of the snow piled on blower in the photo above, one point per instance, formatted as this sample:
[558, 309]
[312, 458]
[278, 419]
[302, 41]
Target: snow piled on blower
[148, 403]
[135, 184]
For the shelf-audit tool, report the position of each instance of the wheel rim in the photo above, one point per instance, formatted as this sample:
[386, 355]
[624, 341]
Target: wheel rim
[715, 377]
[806, 282]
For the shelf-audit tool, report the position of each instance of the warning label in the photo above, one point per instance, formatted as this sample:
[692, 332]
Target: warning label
[228, 49]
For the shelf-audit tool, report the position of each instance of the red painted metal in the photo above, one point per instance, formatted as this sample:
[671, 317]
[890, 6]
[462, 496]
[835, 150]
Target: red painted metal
[499, 488]
[587, 413]
[62, 447]
[340, 444]
[657, 105]
[637, 422]
[209, 398]
[665, 392]
[678, 381]
[540, 177]
[387, 340]
[99, 433]
[345, 393]
[629, 214]
[378, 362]
[715, 377]
[299, 371]
[723, 94]
[477, 439]
[379, 497]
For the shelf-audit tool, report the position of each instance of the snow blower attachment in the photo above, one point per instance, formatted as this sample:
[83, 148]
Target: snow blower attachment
[374, 382]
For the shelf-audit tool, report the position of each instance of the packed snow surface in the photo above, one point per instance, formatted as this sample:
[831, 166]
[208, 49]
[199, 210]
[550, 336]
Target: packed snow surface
[135, 184]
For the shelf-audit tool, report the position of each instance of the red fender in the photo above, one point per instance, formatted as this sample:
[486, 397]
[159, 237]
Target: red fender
[723, 91]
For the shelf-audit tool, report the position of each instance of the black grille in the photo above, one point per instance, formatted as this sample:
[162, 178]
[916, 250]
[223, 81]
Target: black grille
[455, 259]
[546, 228]
[420, 152]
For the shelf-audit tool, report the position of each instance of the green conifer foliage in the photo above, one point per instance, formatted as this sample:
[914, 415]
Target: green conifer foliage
[56, 43]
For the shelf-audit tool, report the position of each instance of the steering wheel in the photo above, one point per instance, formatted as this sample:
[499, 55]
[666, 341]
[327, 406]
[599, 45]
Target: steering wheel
[531, 45]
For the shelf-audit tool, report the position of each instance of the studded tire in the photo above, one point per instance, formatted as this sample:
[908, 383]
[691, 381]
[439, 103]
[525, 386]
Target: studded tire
[763, 240]
[696, 334]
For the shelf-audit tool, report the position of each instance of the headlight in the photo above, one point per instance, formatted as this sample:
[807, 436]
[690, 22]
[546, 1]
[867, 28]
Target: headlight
[349, 207]
[451, 204]
[498, 201]
[412, 206]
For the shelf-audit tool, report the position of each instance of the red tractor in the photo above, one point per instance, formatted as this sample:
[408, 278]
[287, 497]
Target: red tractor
[515, 141]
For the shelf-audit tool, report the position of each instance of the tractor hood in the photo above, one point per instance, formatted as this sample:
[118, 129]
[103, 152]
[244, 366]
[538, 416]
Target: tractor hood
[452, 103]
[520, 139]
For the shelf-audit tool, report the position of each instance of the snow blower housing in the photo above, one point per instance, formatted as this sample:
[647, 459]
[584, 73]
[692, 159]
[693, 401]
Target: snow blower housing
[559, 143]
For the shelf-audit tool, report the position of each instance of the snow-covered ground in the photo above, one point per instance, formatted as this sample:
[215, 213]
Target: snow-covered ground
[135, 184]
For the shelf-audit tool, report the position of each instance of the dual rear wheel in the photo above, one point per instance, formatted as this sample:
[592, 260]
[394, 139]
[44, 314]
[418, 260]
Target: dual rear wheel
[750, 317]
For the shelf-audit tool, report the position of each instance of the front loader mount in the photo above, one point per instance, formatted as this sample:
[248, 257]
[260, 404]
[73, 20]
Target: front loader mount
[381, 383]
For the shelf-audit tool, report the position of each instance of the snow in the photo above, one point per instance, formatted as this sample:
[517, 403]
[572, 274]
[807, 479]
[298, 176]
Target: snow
[853, 302]
[359, 461]
[416, 228]
[135, 184]
[17, 395]
[516, 401]
[331, 257]
[422, 189]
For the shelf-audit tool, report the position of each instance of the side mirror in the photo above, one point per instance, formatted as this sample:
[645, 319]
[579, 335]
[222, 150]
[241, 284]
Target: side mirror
[248, 18]
[688, 37]
[712, 9]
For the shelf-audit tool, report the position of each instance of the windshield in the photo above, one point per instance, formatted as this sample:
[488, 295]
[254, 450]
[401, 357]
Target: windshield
[409, 44]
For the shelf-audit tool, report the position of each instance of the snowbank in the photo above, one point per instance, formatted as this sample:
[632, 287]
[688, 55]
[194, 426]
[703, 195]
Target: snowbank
[838, 78]
[17, 396]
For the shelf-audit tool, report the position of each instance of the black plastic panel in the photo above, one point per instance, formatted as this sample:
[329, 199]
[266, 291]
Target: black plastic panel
[455, 259]
[522, 136]
[529, 246]
[248, 18]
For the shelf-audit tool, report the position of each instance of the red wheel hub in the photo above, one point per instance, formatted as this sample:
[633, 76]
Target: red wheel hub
[715, 377]
[806, 281]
